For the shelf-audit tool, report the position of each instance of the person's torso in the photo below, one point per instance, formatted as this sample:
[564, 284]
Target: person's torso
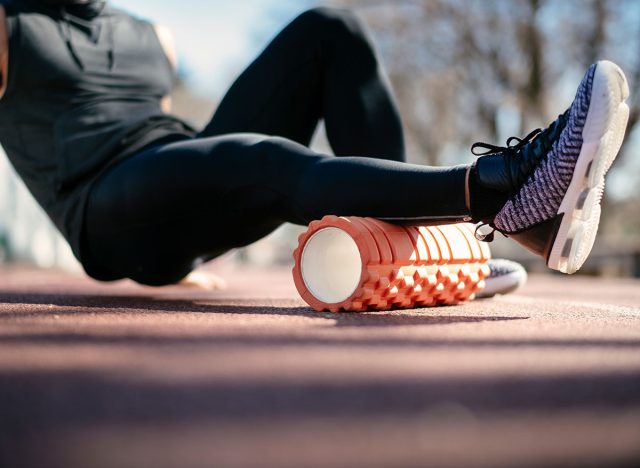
[76, 88]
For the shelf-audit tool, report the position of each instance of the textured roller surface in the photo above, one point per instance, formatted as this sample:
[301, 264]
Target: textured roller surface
[401, 266]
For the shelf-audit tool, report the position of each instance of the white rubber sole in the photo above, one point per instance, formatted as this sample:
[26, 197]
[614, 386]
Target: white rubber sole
[602, 137]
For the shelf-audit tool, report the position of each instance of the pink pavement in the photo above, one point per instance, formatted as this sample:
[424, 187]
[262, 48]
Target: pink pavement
[126, 376]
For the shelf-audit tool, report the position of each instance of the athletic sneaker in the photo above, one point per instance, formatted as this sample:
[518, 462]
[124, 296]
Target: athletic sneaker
[555, 177]
[506, 276]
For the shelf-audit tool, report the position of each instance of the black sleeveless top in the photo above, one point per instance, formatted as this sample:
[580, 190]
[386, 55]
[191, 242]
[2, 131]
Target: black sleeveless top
[83, 91]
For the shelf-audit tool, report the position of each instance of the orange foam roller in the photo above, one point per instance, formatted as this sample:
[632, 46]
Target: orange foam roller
[356, 264]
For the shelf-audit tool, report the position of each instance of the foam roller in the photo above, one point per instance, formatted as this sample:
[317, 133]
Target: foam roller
[357, 264]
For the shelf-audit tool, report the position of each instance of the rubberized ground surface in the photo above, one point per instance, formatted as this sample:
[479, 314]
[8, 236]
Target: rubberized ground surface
[126, 376]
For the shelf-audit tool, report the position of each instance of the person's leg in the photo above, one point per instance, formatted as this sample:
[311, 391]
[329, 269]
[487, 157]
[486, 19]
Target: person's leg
[322, 65]
[153, 216]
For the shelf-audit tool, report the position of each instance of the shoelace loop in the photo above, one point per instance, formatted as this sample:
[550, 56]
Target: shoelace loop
[510, 148]
[488, 237]
[522, 155]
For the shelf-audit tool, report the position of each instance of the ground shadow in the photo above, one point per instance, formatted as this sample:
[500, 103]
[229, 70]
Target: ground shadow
[82, 305]
[78, 304]
[60, 397]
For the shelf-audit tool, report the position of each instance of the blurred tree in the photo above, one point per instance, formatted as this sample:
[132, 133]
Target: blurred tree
[467, 70]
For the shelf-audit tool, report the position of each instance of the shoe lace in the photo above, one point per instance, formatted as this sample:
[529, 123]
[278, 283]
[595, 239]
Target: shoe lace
[511, 148]
[489, 236]
[524, 153]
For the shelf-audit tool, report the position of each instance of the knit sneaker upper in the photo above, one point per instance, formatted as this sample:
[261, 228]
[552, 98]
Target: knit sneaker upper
[501, 267]
[506, 276]
[540, 196]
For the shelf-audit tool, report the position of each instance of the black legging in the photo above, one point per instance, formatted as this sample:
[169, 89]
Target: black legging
[157, 214]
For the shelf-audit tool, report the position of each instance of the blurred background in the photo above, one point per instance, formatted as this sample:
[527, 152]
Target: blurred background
[462, 70]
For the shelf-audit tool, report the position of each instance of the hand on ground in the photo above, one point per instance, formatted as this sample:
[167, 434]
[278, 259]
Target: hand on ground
[204, 280]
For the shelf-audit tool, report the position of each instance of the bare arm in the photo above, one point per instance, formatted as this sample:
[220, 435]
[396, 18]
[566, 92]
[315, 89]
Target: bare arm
[4, 51]
[166, 41]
